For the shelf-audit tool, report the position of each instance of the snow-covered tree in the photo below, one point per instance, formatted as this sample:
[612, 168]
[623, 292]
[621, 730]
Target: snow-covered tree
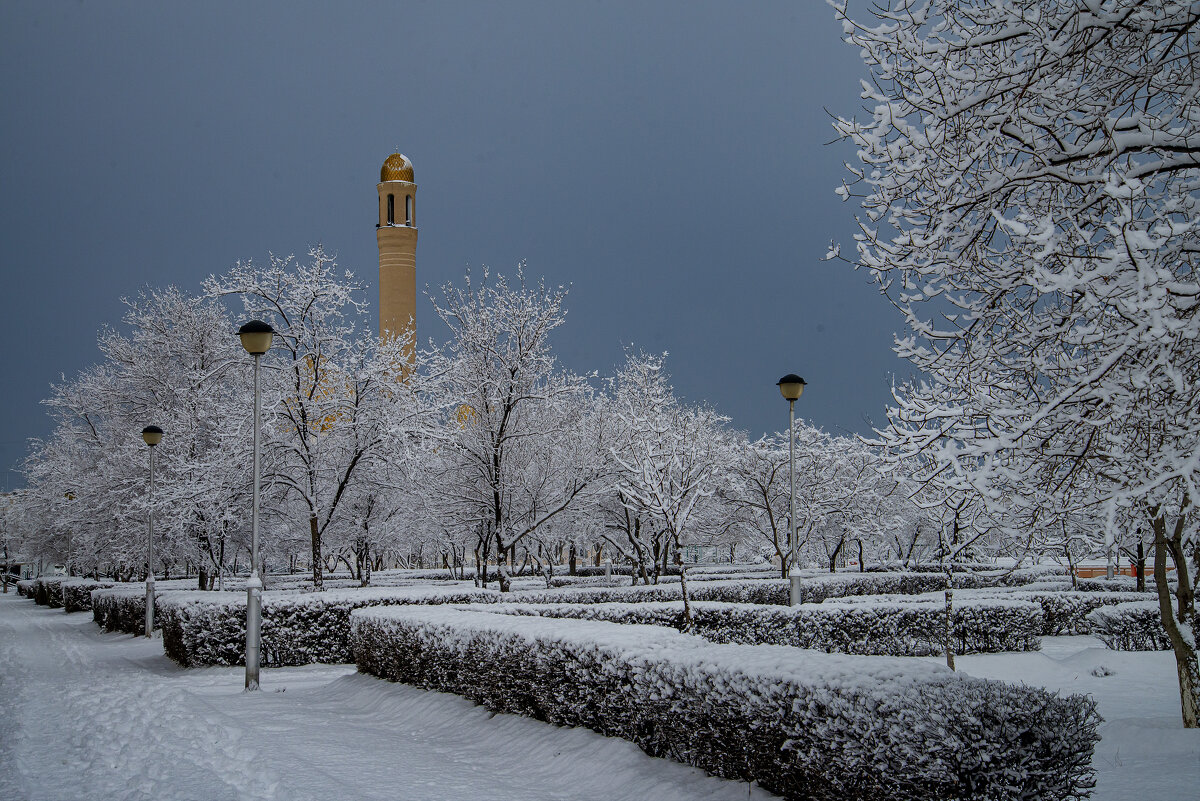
[332, 389]
[509, 465]
[668, 465]
[1032, 208]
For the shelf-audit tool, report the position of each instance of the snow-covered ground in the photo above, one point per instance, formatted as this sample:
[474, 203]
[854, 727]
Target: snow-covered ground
[89, 715]
[1144, 751]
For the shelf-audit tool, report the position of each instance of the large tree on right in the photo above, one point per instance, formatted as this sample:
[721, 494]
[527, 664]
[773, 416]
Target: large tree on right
[1030, 181]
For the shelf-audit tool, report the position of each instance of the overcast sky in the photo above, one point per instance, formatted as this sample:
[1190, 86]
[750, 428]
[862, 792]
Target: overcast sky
[668, 160]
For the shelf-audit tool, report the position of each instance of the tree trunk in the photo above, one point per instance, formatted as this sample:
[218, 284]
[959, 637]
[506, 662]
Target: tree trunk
[833, 556]
[1187, 664]
[687, 609]
[315, 532]
[1141, 566]
[1071, 566]
[949, 633]
[571, 567]
[862, 565]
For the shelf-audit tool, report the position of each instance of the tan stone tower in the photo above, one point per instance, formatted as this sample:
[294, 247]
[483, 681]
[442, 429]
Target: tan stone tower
[396, 234]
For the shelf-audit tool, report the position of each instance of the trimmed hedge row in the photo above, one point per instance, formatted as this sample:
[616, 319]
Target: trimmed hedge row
[757, 591]
[1068, 612]
[800, 723]
[47, 591]
[1133, 626]
[815, 589]
[25, 587]
[1064, 611]
[1115, 584]
[209, 628]
[77, 593]
[882, 629]
[123, 608]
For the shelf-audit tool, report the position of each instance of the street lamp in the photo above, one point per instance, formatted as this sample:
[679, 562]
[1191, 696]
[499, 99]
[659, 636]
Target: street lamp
[256, 338]
[152, 435]
[791, 386]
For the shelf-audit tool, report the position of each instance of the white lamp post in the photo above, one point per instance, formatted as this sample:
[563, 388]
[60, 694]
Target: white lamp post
[791, 386]
[151, 435]
[256, 338]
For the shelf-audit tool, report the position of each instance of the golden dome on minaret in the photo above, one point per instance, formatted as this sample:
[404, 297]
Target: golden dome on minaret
[396, 167]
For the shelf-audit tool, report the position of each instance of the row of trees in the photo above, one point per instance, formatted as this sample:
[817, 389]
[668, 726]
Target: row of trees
[483, 451]
[1032, 209]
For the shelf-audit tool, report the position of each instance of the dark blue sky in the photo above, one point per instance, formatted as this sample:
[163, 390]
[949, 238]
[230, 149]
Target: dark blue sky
[669, 160]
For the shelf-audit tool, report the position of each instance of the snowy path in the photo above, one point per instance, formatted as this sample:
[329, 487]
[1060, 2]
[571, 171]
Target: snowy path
[89, 715]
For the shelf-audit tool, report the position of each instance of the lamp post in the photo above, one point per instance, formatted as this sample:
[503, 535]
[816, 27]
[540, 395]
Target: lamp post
[256, 338]
[791, 386]
[152, 435]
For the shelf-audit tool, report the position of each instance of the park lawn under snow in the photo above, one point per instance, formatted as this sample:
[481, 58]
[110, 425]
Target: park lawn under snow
[85, 714]
[1144, 752]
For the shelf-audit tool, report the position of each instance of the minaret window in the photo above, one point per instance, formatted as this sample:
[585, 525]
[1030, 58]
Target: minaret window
[391, 218]
[408, 210]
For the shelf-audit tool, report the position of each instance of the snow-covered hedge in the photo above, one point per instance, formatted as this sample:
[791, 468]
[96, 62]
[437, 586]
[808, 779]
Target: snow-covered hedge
[123, 608]
[209, 628]
[1068, 612]
[1132, 626]
[47, 591]
[800, 723]
[1032, 573]
[758, 591]
[815, 589]
[882, 629]
[25, 587]
[77, 593]
[1063, 610]
[597, 595]
[1114, 584]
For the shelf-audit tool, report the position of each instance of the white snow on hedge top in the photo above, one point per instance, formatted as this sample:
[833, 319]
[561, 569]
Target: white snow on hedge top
[413, 594]
[655, 643]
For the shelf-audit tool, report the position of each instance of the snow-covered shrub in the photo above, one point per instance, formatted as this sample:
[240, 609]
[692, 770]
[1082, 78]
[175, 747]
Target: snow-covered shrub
[885, 629]
[930, 567]
[1063, 610]
[815, 589]
[77, 593]
[598, 595]
[1068, 612]
[25, 587]
[1114, 584]
[1131, 626]
[47, 591]
[209, 628]
[760, 591]
[123, 608]
[802, 724]
[1027, 575]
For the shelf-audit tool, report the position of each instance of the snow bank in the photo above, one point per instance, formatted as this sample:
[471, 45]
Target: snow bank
[800, 723]
[209, 628]
[881, 629]
[1132, 626]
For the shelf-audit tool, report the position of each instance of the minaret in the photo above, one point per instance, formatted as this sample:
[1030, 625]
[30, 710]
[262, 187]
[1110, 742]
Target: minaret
[396, 234]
